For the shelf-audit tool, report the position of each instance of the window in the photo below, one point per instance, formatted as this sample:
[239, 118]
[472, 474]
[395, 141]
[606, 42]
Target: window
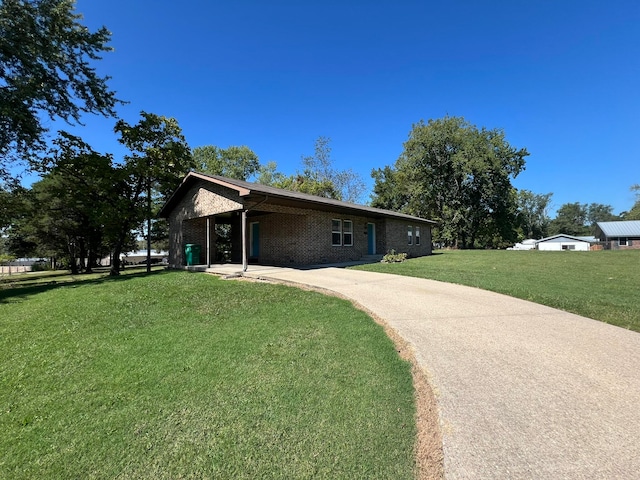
[410, 235]
[622, 241]
[336, 233]
[347, 233]
[417, 235]
[341, 233]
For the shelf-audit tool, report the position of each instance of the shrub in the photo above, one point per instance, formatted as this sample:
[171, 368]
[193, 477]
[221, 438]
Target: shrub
[40, 266]
[393, 257]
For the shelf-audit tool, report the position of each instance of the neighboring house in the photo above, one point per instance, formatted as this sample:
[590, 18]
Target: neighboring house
[565, 242]
[619, 235]
[528, 244]
[273, 226]
[140, 256]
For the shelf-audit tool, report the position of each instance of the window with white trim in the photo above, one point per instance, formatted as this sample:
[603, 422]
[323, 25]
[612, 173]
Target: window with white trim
[347, 233]
[417, 235]
[622, 241]
[409, 235]
[341, 233]
[336, 233]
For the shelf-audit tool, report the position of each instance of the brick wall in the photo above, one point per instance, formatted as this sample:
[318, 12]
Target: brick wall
[397, 238]
[287, 239]
[633, 243]
[304, 237]
[187, 222]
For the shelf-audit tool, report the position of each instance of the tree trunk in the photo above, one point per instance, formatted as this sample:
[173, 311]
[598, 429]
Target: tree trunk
[117, 250]
[115, 261]
[82, 256]
[149, 227]
[71, 254]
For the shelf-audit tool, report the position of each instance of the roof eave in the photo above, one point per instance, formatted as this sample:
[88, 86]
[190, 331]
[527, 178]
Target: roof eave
[328, 204]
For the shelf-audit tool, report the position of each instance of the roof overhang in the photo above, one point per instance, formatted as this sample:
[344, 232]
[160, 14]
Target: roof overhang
[569, 237]
[254, 194]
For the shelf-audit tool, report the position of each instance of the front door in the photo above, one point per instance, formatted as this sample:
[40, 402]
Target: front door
[371, 238]
[254, 240]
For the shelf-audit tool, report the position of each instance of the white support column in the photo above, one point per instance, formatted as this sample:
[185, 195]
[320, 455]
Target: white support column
[208, 242]
[244, 241]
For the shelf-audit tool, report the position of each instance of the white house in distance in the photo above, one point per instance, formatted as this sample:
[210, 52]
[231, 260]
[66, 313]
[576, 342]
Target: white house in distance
[565, 242]
[140, 256]
[527, 244]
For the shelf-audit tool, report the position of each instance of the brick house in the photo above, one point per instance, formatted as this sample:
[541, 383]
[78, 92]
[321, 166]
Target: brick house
[272, 226]
[620, 235]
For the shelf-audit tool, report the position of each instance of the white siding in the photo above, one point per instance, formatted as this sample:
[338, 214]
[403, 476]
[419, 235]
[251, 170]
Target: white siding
[565, 245]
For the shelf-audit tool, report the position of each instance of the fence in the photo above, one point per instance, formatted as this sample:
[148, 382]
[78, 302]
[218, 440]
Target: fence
[11, 269]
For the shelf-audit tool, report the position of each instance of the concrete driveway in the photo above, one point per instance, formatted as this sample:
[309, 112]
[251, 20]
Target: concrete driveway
[523, 390]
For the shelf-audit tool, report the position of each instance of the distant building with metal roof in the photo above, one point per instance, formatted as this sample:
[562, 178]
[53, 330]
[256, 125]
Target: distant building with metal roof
[620, 235]
[564, 242]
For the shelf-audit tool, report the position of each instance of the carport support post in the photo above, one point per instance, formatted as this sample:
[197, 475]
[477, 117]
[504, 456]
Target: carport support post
[208, 242]
[244, 240]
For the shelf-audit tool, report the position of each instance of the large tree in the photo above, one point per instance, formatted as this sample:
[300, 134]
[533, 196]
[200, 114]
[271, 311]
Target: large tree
[458, 175]
[159, 158]
[320, 174]
[67, 210]
[389, 189]
[8, 205]
[571, 219]
[598, 212]
[634, 213]
[46, 70]
[533, 213]
[14, 202]
[580, 218]
[317, 177]
[240, 163]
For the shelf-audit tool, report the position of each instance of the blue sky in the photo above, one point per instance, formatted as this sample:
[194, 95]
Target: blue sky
[561, 78]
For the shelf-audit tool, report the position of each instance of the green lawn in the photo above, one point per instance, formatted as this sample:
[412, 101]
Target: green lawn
[181, 375]
[604, 285]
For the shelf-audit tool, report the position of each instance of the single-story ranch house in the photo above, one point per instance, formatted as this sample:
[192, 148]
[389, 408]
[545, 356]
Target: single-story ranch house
[272, 226]
[620, 235]
[565, 242]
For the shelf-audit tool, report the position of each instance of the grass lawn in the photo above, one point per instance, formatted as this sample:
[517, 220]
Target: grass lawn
[604, 285]
[182, 375]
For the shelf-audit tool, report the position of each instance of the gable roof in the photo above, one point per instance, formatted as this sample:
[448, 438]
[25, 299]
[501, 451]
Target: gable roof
[259, 193]
[560, 237]
[626, 228]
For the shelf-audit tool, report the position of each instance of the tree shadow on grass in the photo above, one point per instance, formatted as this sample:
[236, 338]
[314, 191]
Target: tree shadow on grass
[24, 288]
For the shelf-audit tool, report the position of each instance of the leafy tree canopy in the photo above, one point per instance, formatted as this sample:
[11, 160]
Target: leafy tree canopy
[46, 57]
[571, 219]
[318, 169]
[318, 176]
[579, 219]
[66, 213]
[533, 213]
[159, 159]
[240, 163]
[459, 175]
[634, 213]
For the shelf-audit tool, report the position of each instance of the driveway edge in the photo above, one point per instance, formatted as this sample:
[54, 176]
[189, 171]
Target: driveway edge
[429, 453]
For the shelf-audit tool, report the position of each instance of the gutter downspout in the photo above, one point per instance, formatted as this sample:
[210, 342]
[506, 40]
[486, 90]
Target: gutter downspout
[244, 233]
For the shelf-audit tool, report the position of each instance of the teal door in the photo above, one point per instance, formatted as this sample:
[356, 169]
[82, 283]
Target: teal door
[255, 240]
[371, 238]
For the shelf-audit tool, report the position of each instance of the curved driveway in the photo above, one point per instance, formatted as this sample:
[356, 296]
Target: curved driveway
[523, 390]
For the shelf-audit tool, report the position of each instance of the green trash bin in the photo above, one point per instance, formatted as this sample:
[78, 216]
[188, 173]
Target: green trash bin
[192, 253]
